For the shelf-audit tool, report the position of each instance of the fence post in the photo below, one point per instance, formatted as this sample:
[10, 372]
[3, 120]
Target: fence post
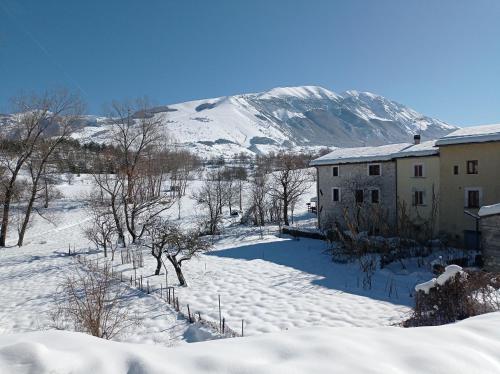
[223, 325]
[148, 285]
[220, 316]
[189, 314]
[241, 327]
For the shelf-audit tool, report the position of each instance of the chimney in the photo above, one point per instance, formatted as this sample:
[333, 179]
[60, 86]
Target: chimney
[416, 139]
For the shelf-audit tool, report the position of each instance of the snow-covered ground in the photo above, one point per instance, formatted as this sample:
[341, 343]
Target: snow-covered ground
[466, 347]
[272, 283]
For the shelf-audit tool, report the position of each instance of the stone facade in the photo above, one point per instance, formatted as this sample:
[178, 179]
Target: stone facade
[354, 177]
[490, 234]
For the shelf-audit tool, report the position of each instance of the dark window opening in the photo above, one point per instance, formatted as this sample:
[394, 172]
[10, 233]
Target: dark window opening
[336, 194]
[418, 170]
[418, 198]
[359, 196]
[455, 170]
[374, 169]
[375, 196]
[473, 199]
[335, 171]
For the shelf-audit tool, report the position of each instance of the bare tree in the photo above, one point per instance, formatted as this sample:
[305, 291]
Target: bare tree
[94, 304]
[176, 245]
[258, 195]
[289, 182]
[110, 188]
[102, 230]
[37, 119]
[210, 197]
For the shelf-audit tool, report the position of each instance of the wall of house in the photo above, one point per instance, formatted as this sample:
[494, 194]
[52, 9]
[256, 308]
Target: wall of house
[426, 215]
[453, 188]
[352, 177]
[490, 233]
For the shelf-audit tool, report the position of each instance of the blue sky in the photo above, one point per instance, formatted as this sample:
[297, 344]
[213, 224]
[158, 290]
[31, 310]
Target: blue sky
[440, 57]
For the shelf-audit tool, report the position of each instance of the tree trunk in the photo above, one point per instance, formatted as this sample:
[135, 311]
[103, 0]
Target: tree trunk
[27, 216]
[121, 236]
[6, 209]
[178, 270]
[158, 262]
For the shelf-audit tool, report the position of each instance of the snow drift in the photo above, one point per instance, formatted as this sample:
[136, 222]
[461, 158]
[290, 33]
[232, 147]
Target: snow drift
[470, 346]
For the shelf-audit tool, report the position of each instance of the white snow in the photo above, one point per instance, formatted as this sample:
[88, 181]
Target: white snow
[473, 134]
[303, 92]
[449, 272]
[427, 148]
[361, 154]
[489, 210]
[469, 346]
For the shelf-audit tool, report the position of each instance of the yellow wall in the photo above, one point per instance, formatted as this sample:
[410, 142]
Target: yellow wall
[452, 190]
[407, 184]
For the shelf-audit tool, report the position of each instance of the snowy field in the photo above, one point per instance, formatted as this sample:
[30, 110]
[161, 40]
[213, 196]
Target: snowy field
[467, 347]
[272, 283]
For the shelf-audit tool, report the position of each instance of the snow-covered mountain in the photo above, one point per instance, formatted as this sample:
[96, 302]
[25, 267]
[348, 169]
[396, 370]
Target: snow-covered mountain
[299, 117]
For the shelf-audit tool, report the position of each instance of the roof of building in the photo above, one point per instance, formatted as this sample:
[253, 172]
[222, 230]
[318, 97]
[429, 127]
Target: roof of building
[473, 134]
[427, 148]
[360, 154]
[489, 210]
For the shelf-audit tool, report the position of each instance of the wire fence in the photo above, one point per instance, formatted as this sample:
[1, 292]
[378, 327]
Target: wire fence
[165, 294]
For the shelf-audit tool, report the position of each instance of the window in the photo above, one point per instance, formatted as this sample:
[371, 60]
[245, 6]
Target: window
[336, 194]
[359, 196]
[455, 170]
[472, 167]
[418, 198]
[472, 198]
[335, 171]
[375, 196]
[418, 170]
[374, 169]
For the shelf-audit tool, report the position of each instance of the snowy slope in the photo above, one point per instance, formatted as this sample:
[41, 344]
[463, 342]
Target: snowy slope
[470, 346]
[280, 118]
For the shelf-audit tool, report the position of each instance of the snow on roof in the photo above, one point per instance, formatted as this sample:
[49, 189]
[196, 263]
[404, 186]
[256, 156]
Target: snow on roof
[427, 148]
[474, 134]
[489, 210]
[360, 154]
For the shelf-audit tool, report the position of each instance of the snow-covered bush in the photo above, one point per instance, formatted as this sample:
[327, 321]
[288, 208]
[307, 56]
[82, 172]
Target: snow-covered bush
[94, 303]
[455, 295]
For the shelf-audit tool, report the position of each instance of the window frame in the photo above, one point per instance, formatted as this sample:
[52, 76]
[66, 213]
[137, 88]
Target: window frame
[356, 192]
[475, 167]
[335, 167]
[339, 195]
[378, 195]
[379, 169]
[421, 165]
[466, 197]
[418, 201]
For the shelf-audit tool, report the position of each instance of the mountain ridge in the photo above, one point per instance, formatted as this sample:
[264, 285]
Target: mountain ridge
[299, 118]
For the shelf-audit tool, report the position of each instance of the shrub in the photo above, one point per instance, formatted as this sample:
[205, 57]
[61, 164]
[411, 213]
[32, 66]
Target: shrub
[453, 296]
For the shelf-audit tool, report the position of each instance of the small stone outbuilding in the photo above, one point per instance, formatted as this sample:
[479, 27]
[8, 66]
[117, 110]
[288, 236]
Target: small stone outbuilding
[490, 234]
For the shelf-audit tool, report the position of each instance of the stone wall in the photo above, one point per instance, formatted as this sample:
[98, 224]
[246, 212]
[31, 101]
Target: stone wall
[490, 233]
[352, 177]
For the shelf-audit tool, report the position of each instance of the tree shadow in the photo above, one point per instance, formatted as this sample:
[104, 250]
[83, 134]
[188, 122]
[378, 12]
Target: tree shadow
[311, 256]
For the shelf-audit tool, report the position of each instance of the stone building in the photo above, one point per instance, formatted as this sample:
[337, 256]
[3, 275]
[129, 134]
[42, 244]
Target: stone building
[490, 236]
